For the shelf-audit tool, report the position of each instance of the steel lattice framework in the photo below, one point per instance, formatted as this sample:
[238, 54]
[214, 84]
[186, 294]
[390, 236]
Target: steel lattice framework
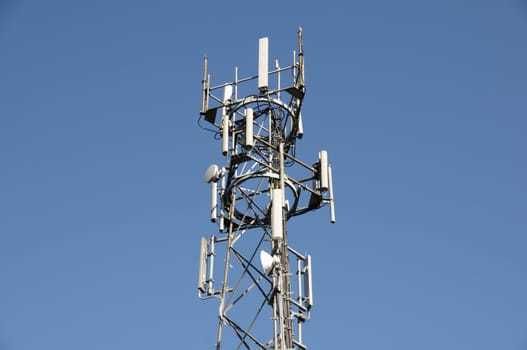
[265, 291]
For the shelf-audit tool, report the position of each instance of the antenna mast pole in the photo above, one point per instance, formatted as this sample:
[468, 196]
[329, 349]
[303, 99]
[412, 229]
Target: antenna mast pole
[261, 302]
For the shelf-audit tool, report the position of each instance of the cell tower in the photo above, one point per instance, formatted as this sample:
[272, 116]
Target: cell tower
[265, 288]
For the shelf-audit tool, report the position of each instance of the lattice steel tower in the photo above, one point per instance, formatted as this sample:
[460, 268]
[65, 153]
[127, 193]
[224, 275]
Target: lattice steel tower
[265, 288]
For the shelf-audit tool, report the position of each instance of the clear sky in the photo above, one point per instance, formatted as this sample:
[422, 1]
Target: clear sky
[422, 106]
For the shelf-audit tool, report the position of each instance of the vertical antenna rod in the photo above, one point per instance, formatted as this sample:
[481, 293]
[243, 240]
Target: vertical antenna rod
[205, 95]
[300, 58]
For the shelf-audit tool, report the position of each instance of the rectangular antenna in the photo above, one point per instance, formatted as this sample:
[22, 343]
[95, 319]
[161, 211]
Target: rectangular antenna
[221, 224]
[227, 95]
[225, 134]
[308, 282]
[249, 137]
[202, 276]
[323, 171]
[204, 95]
[263, 63]
[331, 199]
[277, 209]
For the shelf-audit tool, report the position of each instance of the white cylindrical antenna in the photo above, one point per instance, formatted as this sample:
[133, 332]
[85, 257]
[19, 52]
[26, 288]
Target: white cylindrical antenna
[277, 227]
[225, 134]
[204, 84]
[299, 279]
[331, 199]
[300, 130]
[263, 63]
[210, 266]
[208, 90]
[249, 137]
[213, 201]
[277, 67]
[221, 223]
[300, 58]
[323, 170]
[294, 75]
[236, 83]
[227, 95]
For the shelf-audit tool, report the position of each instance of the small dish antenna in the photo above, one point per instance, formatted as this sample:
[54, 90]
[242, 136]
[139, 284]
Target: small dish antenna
[267, 262]
[213, 174]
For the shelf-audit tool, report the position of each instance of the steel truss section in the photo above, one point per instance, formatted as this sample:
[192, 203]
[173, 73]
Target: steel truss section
[261, 302]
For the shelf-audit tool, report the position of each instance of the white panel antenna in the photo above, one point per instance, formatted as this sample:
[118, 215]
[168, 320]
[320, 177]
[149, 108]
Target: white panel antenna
[263, 63]
[308, 282]
[227, 93]
[225, 121]
[331, 199]
[202, 276]
[213, 201]
[221, 224]
[249, 137]
[277, 208]
[323, 156]
[204, 97]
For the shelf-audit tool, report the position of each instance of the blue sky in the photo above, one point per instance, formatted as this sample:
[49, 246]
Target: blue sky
[421, 105]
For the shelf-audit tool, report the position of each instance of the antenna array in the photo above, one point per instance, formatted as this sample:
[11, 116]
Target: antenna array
[262, 303]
